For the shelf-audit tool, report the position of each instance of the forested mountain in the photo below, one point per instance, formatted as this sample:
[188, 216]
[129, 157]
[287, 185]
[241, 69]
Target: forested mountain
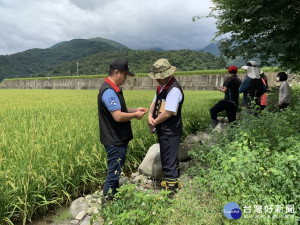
[33, 61]
[212, 48]
[93, 56]
[239, 61]
[140, 61]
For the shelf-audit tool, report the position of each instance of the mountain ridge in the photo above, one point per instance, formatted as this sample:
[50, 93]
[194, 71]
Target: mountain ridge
[60, 58]
[32, 61]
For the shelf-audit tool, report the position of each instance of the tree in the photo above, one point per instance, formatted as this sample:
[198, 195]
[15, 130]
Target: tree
[266, 29]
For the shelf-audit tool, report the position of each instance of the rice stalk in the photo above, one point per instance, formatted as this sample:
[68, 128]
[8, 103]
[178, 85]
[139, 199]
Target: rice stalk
[29, 170]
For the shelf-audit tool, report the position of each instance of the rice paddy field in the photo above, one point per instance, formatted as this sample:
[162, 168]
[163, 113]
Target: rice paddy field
[58, 132]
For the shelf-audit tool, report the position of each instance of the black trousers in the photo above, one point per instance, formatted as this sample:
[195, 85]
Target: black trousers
[221, 106]
[169, 147]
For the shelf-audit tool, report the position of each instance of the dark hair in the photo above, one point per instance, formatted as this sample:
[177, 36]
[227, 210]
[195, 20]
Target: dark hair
[282, 76]
[111, 71]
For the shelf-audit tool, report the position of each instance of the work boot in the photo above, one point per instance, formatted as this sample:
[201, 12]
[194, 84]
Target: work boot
[214, 122]
[107, 199]
[172, 185]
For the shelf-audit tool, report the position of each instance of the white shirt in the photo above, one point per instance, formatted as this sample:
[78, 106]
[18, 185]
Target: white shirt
[172, 100]
[284, 92]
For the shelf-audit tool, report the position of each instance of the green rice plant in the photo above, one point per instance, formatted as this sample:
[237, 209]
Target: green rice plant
[68, 160]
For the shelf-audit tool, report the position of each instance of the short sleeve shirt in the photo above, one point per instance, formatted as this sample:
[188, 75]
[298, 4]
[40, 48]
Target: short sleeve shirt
[232, 83]
[111, 100]
[173, 99]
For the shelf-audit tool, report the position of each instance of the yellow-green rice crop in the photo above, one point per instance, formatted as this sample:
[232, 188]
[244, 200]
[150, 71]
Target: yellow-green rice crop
[68, 159]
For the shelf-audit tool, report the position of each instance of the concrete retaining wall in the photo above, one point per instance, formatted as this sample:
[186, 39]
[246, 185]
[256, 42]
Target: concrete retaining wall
[188, 82]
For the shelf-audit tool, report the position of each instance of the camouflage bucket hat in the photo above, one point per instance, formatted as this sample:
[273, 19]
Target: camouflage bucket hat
[161, 69]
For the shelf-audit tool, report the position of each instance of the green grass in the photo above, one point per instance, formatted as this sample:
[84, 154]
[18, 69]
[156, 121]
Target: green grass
[68, 159]
[61, 215]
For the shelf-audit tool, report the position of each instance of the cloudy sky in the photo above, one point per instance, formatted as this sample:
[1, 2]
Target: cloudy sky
[138, 24]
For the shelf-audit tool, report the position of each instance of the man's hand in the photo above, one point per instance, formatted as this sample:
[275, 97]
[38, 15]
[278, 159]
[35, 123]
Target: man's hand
[142, 109]
[223, 89]
[151, 124]
[136, 113]
[140, 112]
[151, 121]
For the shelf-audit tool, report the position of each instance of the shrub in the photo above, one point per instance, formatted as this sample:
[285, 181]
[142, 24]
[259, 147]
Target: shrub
[131, 206]
[257, 162]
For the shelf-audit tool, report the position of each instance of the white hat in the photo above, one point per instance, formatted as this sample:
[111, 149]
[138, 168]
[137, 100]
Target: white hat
[252, 70]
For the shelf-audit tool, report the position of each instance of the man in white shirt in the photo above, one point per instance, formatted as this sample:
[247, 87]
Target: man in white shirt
[165, 118]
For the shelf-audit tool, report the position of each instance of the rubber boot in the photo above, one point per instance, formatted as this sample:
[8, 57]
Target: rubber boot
[214, 122]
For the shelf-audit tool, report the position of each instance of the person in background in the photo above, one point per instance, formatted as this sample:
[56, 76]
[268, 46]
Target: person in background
[252, 88]
[264, 97]
[284, 91]
[114, 122]
[165, 118]
[231, 97]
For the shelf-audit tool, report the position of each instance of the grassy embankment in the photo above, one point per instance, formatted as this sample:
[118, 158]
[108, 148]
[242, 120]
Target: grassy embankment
[178, 73]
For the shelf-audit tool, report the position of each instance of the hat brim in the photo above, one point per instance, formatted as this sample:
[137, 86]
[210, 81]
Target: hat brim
[253, 72]
[162, 75]
[245, 67]
[128, 73]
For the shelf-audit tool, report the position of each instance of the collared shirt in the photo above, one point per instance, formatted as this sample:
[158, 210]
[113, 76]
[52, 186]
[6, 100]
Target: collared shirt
[111, 100]
[172, 100]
